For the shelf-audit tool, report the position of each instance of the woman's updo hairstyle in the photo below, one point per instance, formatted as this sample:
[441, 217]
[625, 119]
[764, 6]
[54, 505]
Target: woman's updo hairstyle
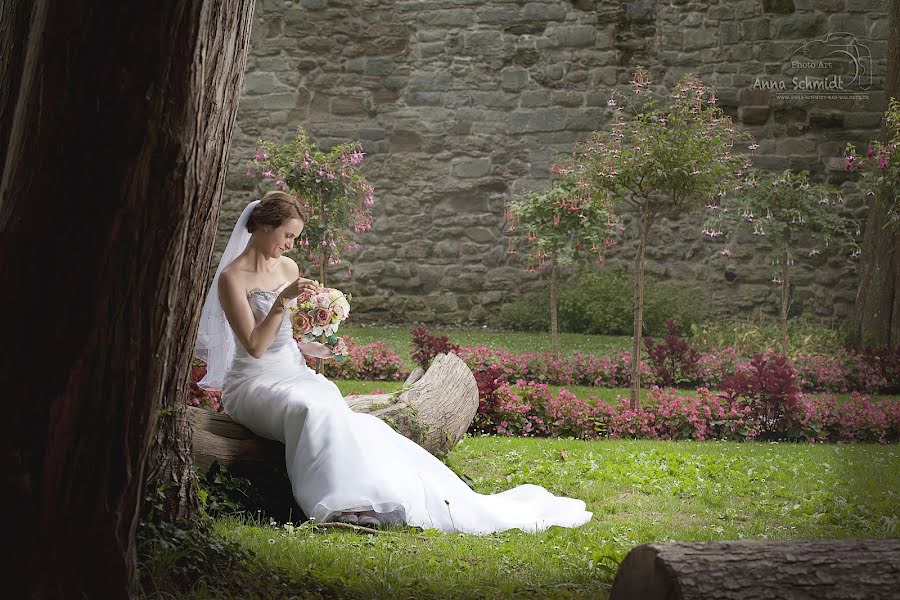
[274, 209]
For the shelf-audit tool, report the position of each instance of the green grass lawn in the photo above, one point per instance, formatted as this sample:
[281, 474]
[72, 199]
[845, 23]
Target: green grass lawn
[639, 492]
[514, 341]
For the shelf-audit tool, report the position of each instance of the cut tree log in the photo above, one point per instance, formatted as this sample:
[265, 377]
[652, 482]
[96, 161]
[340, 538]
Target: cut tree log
[434, 409]
[750, 570]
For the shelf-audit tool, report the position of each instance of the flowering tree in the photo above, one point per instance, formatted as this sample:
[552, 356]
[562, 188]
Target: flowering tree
[660, 157]
[781, 207]
[565, 222]
[338, 199]
[881, 165]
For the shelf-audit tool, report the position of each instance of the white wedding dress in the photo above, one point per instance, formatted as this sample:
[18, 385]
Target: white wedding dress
[342, 461]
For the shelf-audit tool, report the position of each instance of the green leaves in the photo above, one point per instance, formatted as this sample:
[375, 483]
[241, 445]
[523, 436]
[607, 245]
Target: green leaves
[565, 220]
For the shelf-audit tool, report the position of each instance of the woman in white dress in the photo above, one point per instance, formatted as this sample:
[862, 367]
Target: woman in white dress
[342, 465]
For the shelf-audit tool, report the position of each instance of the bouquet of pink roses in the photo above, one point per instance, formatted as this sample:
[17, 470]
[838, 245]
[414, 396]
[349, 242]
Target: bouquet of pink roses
[317, 317]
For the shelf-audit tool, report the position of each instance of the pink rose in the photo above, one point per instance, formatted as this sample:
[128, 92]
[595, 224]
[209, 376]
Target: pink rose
[322, 316]
[304, 296]
[301, 321]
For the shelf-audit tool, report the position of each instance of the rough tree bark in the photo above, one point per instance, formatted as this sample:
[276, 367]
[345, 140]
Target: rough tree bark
[109, 197]
[876, 312]
[434, 410]
[747, 570]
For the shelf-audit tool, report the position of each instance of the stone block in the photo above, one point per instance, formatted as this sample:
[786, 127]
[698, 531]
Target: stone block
[454, 17]
[380, 66]
[534, 121]
[554, 71]
[498, 15]
[471, 167]
[513, 78]
[482, 39]
[862, 120]
[778, 6]
[568, 99]
[756, 29]
[848, 23]
[429, 81]
[753, 115]
[481, 235]
[862, 6]
[830, 5]
[728, 33]
[347, 106]
[641, 11]
[751, 97]
[826, 119]
[315, 5]
[541, 11]
[259, 83]
[494, 99]
[801, 26]
[534, 98]
[405, 141]
[575, 36]
[795, 146]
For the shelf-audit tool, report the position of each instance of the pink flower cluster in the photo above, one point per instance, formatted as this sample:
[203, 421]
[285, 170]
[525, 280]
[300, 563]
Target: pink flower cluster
[825, 418]
[201, 398]
[577, 369]
[375, 361]
[531, 409]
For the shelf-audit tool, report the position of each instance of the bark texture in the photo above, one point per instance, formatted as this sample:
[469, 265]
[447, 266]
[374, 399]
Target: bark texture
[115, 158]
[770, 570]
[876, 318]
[435, 409]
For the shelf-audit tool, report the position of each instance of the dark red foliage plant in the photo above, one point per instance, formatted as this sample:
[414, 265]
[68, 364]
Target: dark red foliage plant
[769, 386]
[426, 346]
[674, 362]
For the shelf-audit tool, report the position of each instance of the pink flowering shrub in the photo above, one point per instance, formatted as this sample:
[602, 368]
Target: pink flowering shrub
[375, 361]
[769, 387]
[578, 369]
[824, 418]
[668, 415]
[674, 361]
[715, 367]
[199, 397]
[426, 346]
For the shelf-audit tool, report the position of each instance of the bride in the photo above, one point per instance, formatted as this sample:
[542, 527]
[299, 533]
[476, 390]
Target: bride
[342, 465]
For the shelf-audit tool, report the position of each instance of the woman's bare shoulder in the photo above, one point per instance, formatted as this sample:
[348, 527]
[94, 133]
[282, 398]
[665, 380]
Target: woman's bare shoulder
[289, 265]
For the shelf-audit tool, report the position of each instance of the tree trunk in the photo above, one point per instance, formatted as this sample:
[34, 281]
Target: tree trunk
[639, 309]
[434, 411]
[771, 570]
[876, 312]
[115, 160]
[554, 290]
[785, 284]
[15, 16]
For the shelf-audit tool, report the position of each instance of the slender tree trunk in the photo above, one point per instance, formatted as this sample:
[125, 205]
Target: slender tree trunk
[15, 16]
[554, 290]
[639, 309]
[115, 161]
[876, 314]
[785, 286]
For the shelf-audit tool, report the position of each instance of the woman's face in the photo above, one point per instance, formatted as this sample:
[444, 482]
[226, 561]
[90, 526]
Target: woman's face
[281, 239]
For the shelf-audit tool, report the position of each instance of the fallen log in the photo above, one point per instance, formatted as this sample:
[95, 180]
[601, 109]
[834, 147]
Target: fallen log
[434, 409]
[749, 570]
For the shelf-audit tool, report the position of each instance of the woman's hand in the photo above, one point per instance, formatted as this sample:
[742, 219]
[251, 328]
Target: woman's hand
[340, 347]
[297, 287]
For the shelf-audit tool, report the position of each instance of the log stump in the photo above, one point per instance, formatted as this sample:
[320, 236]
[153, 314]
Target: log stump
[434, 409]
[750, 570]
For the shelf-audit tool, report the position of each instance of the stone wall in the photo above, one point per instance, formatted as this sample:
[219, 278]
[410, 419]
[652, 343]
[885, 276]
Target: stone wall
[462, 104]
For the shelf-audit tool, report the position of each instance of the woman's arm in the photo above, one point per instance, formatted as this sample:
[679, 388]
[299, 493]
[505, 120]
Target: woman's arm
[256, 339]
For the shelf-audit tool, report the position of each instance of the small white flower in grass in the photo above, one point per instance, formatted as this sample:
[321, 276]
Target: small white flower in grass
[271, 541]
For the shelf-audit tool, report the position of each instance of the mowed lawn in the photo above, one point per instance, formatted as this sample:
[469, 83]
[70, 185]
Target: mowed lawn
[639, 492]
